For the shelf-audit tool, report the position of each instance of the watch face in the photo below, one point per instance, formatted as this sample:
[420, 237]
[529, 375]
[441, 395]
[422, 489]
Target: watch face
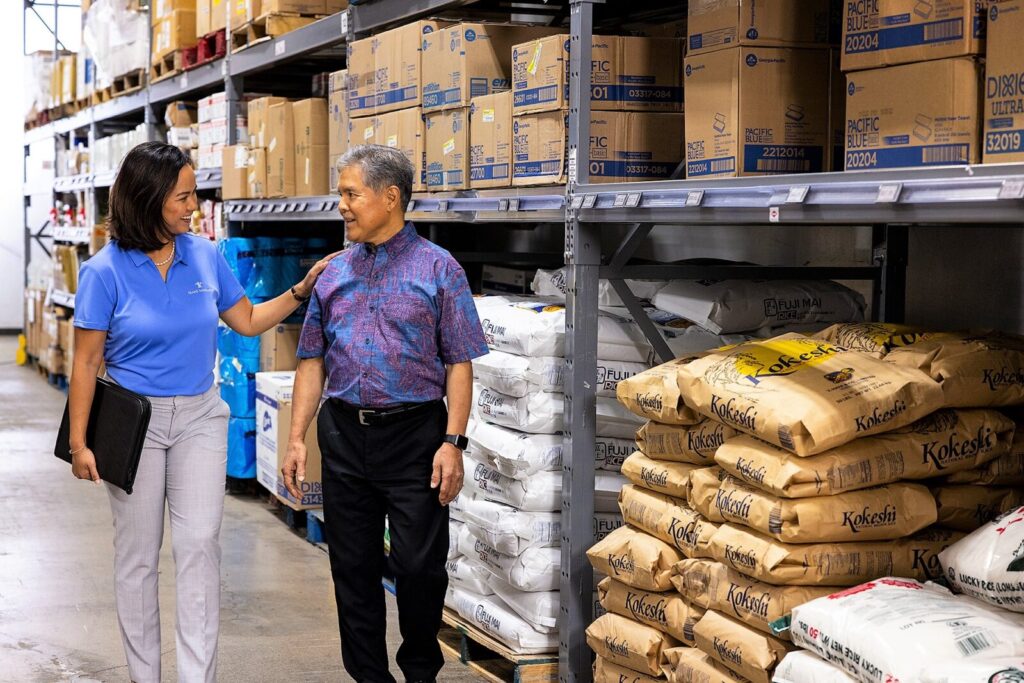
[457, 440]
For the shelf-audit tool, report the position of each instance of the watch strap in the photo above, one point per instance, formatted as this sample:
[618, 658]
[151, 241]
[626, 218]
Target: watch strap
[460, 441]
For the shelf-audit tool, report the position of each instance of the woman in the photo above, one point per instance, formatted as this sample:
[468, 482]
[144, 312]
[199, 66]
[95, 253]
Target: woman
[148, 305]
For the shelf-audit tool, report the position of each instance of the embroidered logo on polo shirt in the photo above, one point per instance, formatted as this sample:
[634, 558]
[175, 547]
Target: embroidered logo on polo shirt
[199, 288]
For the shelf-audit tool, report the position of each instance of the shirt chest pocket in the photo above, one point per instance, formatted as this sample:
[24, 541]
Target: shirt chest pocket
[409, 319]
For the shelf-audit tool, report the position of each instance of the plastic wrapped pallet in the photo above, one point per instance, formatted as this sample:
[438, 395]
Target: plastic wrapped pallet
[726, 306]
[876, 514]
[628, 643]
[713, 585]
[607, 672]
[968, 507]
[543, 413]
[118, 39]
[690, 665]
[470, 575]
[895, 629]
[670, 478]
[666, 518]
[944, 442]
[989, 564]
[802, 394]
[695, 444]
[520, 376]
[635, 558]
[553, 283]
[741, 649]
[829, 564]
[667, 611]
[539, 609]
[801, 666]
[497, 620]
[984, 370]
[533, 570]
[875, 339]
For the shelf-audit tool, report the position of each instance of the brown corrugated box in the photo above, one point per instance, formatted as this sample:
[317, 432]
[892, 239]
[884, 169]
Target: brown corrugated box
[161, 9]
[398, 67]
[468, 60]
[624, 146]
[278, 347]
[235, 172]
[362, 77]
[337, 124]
[887, 32]
[174, 32]
[257, 119]
[309, 118]
[280, 151]
[362, 131]
[405, 130]
[718, 24]
[256, 178]
[447, 144]
[926, 114]
[490, 141]
[756, 111]
[628, 74]
[1004, 83]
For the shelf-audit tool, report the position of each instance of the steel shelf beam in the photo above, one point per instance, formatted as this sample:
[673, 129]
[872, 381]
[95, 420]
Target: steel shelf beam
[208, 178]
[62, 298]
[121, 106]
[190, 82]
[299, 209]
[375, 16]
[325, 33]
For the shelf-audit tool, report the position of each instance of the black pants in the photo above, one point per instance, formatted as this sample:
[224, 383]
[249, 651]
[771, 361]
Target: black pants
[370, 472]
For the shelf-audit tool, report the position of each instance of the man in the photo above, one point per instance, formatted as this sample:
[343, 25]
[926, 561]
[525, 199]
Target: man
[392, 327]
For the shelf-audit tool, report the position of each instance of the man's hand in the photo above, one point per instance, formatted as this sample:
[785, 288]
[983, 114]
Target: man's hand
[447, 472]
[305, 288]
[294, 468]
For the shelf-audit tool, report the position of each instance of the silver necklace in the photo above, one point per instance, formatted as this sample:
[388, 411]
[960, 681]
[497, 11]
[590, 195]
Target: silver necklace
[166, 260]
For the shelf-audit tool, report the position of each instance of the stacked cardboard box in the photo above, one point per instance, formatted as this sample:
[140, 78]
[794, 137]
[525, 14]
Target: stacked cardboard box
[245, 11]
[337, 124]
[757, 88]
[213, 129]
[636, 99]
[174, 27]
[211, 16]
[1004, 83]
[914, 82]
[273, 424]
[181, 119]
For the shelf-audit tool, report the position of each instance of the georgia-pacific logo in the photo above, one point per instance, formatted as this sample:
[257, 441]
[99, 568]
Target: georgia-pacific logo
[752, 363]
[540, 308]
[840, 376]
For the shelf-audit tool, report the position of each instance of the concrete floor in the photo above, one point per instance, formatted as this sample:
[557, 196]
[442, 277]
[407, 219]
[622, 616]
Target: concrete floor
[57, 618]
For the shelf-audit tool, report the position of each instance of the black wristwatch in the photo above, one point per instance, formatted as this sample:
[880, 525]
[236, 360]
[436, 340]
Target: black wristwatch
[300, 299]
[458, 440]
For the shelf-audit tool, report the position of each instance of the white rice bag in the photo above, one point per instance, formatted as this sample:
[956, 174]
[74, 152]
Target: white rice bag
[493, 617]
[518, 376]
[989, 563]
[726, 306]
[512, 531]
[465, 573]
[554, 283]
[535, 569]
[454, 529]
[539, 610]
[605, 523]
[606, 490]
[541, 492]
[894, 629]
[801, 666]
[455, 507]
[543, 413]
[996, 670]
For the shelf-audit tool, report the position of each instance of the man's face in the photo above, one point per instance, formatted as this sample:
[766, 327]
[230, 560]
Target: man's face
[366, 212]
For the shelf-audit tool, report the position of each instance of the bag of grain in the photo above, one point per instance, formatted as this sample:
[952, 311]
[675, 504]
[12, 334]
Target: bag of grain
[628, 643]
[667, 612]
[464, 573]
[607, 672]
[741, 649]
[876, 514]
[656, 395]
[554, 283]
[516, 454]
[690, 665]
[534, 570]
[827, 564]
[704, 485]
[540, 609]
[713, 585]
[495, 619]
[455, 507]
[968, 507]
[801, 666]
[981, 670]
[1006, 470]
[635, 558]
[510, 530]
[695, 444]
[670, 478]
[666, 518]
[984, 370]
[520, 376]
[801, 394]
[541, 492]
[874, 339]
[454, 529]
[989, 563]
[893, 629]
[943, 442]
[605, 523]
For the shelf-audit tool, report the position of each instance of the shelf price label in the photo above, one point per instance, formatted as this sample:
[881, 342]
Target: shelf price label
[280, 48]
[633, 199]
[344, 23]
[797, 194]
[1012, 188]
[589, 201]
[442, 205]
[513, 204]
[694, 198]
[889, 193]
[183, 81]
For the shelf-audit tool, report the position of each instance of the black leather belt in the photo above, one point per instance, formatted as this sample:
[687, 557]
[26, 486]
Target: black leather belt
[376, 416]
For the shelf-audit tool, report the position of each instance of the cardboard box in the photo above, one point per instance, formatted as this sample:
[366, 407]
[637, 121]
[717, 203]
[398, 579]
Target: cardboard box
[258, 8]
[490, 141]
[1004, 83]
[469, 60]
[836, 160]
[880, 33]
[273, 424]
[69, 79]
[280, 140]
[174, 32]
[203, 18]
[212, 107]
[405, 130]
[257, 110]
[180, 114]
[447, 144]
[398, 67]
[926, 114]
[624, 146]
[219, 14]
[718, 24]
[628, 74]
[237, 14]
[256, 177]
[756, 111]
[501, 280]
[278, 347]
[362, 131]
[338, 80]
[161, 9]
[235, 172]
[311, 150]
[362, 77]
[337, 123]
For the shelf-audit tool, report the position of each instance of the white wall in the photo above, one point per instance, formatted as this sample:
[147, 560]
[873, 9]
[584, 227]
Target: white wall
[12, 152]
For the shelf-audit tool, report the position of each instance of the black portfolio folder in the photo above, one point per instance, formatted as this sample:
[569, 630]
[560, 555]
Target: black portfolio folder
[116, 432]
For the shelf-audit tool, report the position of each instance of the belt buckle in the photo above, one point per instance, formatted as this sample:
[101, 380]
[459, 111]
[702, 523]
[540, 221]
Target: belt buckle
[362, 417]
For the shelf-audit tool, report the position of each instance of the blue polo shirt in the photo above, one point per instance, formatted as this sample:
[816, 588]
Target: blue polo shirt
[161, 336]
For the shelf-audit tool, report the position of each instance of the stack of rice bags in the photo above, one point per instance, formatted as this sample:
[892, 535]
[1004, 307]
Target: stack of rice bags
[805, 446]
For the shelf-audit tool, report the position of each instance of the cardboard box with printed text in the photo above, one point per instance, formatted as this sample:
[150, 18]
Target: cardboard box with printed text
[490, 141]
[273, 424]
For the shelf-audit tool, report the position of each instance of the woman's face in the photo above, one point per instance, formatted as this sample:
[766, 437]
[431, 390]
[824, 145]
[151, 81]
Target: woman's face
[181, 202]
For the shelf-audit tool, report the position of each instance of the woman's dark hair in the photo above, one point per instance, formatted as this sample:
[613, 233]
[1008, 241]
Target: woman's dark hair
[148, 174]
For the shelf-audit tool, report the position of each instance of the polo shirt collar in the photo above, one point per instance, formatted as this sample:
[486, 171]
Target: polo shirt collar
[397, 244]
[181, 246]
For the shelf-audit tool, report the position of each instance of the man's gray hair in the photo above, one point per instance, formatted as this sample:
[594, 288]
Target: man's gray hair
[382, 167]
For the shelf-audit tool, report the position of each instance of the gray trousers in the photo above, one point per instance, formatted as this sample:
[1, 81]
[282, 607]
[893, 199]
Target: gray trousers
[184, 461]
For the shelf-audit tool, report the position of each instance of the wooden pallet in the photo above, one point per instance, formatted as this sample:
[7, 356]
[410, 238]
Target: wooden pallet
[490, 659]
[210, 47]
[267, 27]
[168, 66]
[125, 84]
